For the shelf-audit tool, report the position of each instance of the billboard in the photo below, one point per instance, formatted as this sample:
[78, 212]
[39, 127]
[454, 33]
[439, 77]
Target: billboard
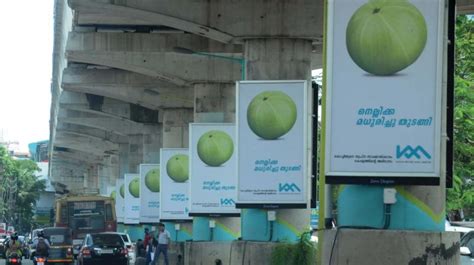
[150, 193]
[213, 175]
[272, 144]
[384, 83]
[174, 179]
[132, 199]
[119, 200]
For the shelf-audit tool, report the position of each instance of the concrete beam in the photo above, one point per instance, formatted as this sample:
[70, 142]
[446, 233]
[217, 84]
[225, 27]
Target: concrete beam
[149, 18]
[117, 126]
[234, 19]
[114, 117]
[85, 144]
[105, 144]
[78, 155]
[178, 69]
[128, 87]
[146, 42]
[61, 159]
[112, 137]
[70, 163]
[465, 6]
[65, 144]
[110, 107]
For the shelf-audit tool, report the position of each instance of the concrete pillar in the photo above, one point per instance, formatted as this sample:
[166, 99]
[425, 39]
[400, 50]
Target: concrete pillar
[215, 102]
[389, 247]
[176, 135]
[91, 178]
[123, 160]
[108, 173]
[135, 152]
[176, 127]
[151, 148]
[277, 59]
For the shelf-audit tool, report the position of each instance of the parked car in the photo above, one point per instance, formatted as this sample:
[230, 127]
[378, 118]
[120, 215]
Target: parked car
[461, 227]
[129, 244]
[2, 247]
[467, 249]
[103, 248]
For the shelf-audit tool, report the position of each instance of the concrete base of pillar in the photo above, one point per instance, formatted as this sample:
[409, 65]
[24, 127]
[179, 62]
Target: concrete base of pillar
[389, 247]
[229, 253]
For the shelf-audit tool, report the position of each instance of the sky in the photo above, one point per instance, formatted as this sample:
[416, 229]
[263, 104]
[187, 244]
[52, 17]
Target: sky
[26, 45]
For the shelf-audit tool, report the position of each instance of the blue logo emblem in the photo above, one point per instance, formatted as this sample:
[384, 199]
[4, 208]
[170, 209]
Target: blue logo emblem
[410, 152]
[288, 187]
[227, 202]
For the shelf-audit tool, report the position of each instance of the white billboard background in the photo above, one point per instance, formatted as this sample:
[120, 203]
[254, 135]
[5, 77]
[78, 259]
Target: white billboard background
[383, 125]
[272, 166]
[213, 186]
[175, 184]
[132, 201]
[119, 200]
[150, 193]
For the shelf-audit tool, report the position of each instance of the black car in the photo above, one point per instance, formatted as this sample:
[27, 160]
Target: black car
[103, 248]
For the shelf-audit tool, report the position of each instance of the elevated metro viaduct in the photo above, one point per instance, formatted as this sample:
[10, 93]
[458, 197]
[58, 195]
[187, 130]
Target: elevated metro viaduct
[121, 90]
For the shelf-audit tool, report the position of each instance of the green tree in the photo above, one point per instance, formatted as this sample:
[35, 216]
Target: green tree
[20, 190]
[461, 196]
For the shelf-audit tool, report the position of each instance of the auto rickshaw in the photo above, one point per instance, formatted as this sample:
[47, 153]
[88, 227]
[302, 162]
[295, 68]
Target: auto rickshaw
[60, 239]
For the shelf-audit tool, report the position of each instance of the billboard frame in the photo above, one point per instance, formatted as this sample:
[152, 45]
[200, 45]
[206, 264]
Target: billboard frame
[277, 204]
[385, 178]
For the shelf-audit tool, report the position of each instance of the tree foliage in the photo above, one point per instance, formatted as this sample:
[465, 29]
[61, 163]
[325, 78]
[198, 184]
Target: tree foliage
[301, 253]
[461, 196]
[20, 189]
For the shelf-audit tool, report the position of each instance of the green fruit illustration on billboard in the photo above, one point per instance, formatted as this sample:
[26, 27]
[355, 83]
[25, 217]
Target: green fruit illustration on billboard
[152, 180]
[122, 191]
[384, 37]
[177, 168]
[113, 195]
[271, 114]
[215, 148]
[134, 187]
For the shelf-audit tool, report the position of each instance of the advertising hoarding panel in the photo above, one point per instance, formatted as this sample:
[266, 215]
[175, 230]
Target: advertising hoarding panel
[174, 179]
[272, 143]
[384, 81]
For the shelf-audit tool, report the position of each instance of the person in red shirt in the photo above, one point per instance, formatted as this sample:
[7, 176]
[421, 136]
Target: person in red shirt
[147, 245]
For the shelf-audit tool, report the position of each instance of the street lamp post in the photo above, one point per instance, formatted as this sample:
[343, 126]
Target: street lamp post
[241, 61]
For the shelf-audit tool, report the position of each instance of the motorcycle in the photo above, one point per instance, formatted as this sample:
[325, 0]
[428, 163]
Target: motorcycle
[13, 259]
[39, 260]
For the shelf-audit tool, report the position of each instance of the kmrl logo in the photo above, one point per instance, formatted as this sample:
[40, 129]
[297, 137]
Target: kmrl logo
[410, 152]
[287, 187]
[227, 202]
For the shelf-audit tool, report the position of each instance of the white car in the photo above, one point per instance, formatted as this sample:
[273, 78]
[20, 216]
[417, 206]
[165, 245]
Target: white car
[457, 228]
[129, 244]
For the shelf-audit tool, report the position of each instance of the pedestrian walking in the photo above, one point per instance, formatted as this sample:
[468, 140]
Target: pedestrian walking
[164, 239]
[147, 245]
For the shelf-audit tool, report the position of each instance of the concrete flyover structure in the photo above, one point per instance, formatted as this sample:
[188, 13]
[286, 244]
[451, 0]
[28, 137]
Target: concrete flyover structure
[123, 88]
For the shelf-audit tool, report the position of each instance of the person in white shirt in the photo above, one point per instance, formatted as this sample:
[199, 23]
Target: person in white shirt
[164, 239]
